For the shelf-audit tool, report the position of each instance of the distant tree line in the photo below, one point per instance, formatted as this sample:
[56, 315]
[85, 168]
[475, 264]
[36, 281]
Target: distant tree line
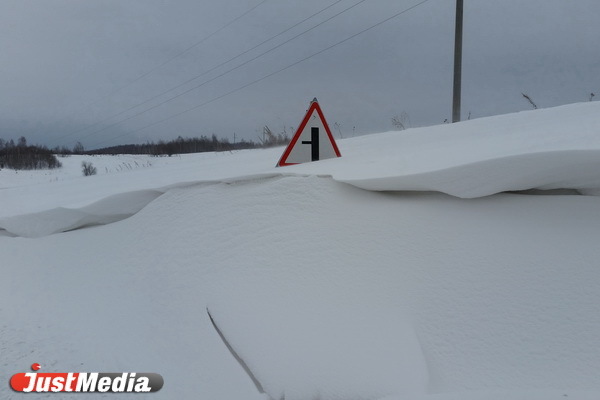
[24, 156]
[176, 146]
[195, 145]
[20, 155]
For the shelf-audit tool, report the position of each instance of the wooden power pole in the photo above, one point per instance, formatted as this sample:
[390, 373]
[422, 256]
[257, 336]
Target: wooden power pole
[457, 62]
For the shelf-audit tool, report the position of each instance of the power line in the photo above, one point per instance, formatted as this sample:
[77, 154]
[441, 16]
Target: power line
[203, 73]
[181, 53]
[228, 71]
[270, 74]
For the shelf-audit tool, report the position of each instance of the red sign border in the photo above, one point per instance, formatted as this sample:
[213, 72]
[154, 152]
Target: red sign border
[313, 106]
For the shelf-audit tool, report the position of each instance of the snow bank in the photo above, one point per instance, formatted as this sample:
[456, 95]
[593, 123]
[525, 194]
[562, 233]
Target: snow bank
[111, 209]
[326, 290]
[542, 149]
[574, 169]
[26, 192]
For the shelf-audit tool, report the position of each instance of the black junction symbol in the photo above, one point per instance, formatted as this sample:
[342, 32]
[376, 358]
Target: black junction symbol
[314, 143]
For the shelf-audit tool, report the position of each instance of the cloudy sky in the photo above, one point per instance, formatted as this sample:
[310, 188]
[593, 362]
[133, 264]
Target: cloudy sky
[107, 72]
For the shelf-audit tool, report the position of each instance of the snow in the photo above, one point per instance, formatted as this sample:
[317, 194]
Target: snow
[108, 210]
[397, 271]
[572, 169]
[67, 187]
[543, 149]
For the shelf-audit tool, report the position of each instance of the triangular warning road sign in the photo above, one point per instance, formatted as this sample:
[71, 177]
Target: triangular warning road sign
[313, 140]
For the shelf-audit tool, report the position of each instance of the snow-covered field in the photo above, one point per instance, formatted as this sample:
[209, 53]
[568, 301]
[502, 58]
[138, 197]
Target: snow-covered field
[402, 270]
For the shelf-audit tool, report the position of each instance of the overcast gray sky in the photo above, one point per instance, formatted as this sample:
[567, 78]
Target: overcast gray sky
[71, 69]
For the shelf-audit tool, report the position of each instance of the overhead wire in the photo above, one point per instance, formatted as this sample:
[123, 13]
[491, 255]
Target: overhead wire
[176, 56]
[206, 72]
[268, 75]
[227, 71]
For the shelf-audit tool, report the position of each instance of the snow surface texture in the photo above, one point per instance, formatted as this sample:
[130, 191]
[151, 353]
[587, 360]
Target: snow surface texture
[325, 290]
[450, 158]
[556, 148]
[110, 209]
[543, 149]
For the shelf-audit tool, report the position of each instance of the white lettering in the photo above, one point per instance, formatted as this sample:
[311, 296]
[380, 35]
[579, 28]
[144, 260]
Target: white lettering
[69, 383]
[142, 384]
[119, 383]
[85, 384]
[42, 384]
[57, 384]
[104, 384]
[32, 378]
[131, 382]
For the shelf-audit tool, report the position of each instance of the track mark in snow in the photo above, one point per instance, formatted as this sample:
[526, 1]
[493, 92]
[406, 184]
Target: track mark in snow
[235, 355]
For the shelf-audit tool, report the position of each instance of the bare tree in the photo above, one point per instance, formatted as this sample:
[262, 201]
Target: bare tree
[78, 148]
[270, 139]
[402, 121]
[339, 129]
[530, 101]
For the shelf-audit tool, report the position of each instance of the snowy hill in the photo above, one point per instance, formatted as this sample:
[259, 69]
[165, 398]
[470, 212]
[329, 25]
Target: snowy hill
[430, 284]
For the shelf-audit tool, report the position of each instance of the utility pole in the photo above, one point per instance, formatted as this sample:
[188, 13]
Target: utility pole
[457, 62]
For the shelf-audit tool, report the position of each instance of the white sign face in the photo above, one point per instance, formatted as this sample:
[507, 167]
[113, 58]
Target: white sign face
[313, 140]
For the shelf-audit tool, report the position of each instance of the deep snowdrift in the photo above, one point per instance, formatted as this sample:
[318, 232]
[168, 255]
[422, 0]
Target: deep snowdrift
[327, 291]
[571, 169]
[110, 209]
[544, 149]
